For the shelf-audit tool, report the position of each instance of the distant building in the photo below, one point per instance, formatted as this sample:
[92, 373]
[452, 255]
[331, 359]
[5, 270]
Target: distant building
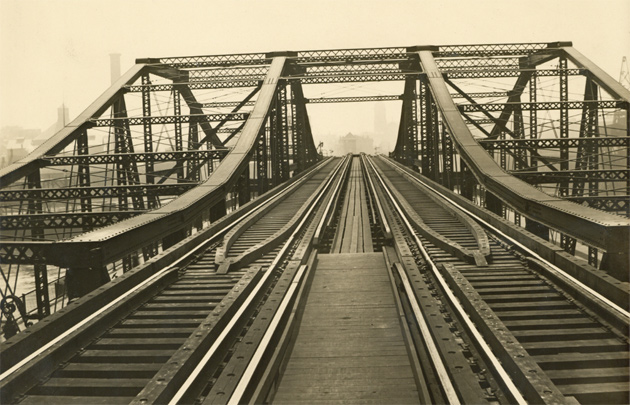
[355, 144]
[17, 142]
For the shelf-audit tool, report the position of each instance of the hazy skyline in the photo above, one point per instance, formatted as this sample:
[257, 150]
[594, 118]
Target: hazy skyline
[57, 51]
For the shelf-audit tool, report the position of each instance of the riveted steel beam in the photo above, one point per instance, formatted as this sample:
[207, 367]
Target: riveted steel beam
[594, 227]
[112, 242]
[70, 132]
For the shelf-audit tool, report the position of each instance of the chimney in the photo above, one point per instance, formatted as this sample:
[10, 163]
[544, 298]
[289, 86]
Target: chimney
[63, 116]
[114, 60]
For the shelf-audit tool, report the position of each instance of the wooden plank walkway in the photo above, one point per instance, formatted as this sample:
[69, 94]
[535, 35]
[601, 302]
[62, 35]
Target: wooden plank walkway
[349, 348]
[353, 233]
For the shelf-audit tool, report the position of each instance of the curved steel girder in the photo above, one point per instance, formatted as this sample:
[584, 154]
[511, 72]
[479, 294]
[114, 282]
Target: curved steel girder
[596, 228]
[70, 132]
[603, 79]
[112, 242]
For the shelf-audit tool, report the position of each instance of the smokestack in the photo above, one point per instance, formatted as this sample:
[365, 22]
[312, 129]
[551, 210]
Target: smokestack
[63, 116]
[114, 60]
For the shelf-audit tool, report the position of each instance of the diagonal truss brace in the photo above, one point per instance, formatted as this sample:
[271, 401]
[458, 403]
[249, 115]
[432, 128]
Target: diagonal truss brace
[594, 227]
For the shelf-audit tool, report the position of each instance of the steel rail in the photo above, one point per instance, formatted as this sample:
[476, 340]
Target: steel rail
[436, 360]
[569, 278]
[386, 228]
[486, 351]
[192, 378]
[236, 398]
[320, 226]
[246, 378]
[597, 228]
[155, 278]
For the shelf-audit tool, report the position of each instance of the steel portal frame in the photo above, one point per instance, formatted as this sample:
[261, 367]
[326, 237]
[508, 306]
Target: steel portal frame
[74, 180]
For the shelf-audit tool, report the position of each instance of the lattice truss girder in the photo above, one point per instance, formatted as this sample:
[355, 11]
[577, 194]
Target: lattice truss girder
[135, 150]
[163, 128]
[110, 170]
[562, 125]
[532, 112]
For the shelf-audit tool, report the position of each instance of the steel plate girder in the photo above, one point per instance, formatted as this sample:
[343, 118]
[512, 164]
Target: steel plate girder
[112, 242]
[70, 132]
[594, 227]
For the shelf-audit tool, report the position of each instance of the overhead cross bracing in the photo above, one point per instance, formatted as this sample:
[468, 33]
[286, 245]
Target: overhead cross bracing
[177, 141]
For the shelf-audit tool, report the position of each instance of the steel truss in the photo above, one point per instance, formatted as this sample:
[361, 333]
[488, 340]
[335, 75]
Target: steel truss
[150, 139]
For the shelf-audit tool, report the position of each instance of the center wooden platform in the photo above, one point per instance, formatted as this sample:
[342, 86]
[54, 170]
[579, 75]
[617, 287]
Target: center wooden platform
[353, 232]
[349, 348]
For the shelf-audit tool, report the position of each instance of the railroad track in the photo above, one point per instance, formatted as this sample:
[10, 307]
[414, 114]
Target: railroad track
[174, 317]
[483, 318]
[552, 347]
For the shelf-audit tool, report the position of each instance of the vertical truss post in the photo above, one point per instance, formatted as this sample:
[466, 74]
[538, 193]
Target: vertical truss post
[564, 121]
[299, 157]
[533, 118]
[520, 157]
[179, 139]
[502, 153]
[592, 256]
[35, 206]
[148, 134]
[127, 173]
[593, 132]
[261, 161]
[192, 164]
[467, 181]
[433, 134]
[399, 149]
[408, 129]
[120, 147]
[242, 187]
[423, 100]
[284, 125]
[435, 124]
[447, 158]
[152, 200]
[83, 171]
[304, 150]
[127, 169]
[279, 137]
[587, 151]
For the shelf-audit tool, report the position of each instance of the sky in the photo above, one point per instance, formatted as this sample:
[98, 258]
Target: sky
[57, 51]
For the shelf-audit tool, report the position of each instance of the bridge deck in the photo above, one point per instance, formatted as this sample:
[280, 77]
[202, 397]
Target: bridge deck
[350, 348]
[353, 233]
